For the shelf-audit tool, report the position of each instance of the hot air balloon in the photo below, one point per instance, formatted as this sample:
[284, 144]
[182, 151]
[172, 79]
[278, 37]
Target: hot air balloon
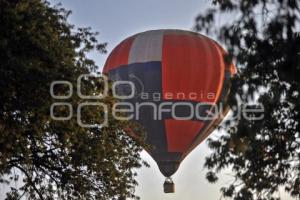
[172, 67]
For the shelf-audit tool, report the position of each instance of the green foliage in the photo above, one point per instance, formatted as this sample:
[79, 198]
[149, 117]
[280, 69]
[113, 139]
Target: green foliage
[263, 38]
[56, 159]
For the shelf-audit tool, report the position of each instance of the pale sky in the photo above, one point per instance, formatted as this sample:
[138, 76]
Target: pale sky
[118, 19]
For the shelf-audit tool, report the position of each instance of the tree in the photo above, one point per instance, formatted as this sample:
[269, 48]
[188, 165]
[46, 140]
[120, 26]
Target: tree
[263, 41]
[56, 159]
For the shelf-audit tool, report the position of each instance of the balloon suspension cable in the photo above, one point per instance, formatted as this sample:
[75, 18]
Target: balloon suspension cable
[169, 186]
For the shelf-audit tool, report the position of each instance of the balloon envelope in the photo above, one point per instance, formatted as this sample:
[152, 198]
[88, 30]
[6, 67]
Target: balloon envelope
[178, 76]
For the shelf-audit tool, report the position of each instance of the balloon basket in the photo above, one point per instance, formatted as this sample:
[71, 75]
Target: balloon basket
[169, 186]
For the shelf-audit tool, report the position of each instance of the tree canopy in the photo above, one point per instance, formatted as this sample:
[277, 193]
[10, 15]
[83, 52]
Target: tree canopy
[56, 159]
[263, 39]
